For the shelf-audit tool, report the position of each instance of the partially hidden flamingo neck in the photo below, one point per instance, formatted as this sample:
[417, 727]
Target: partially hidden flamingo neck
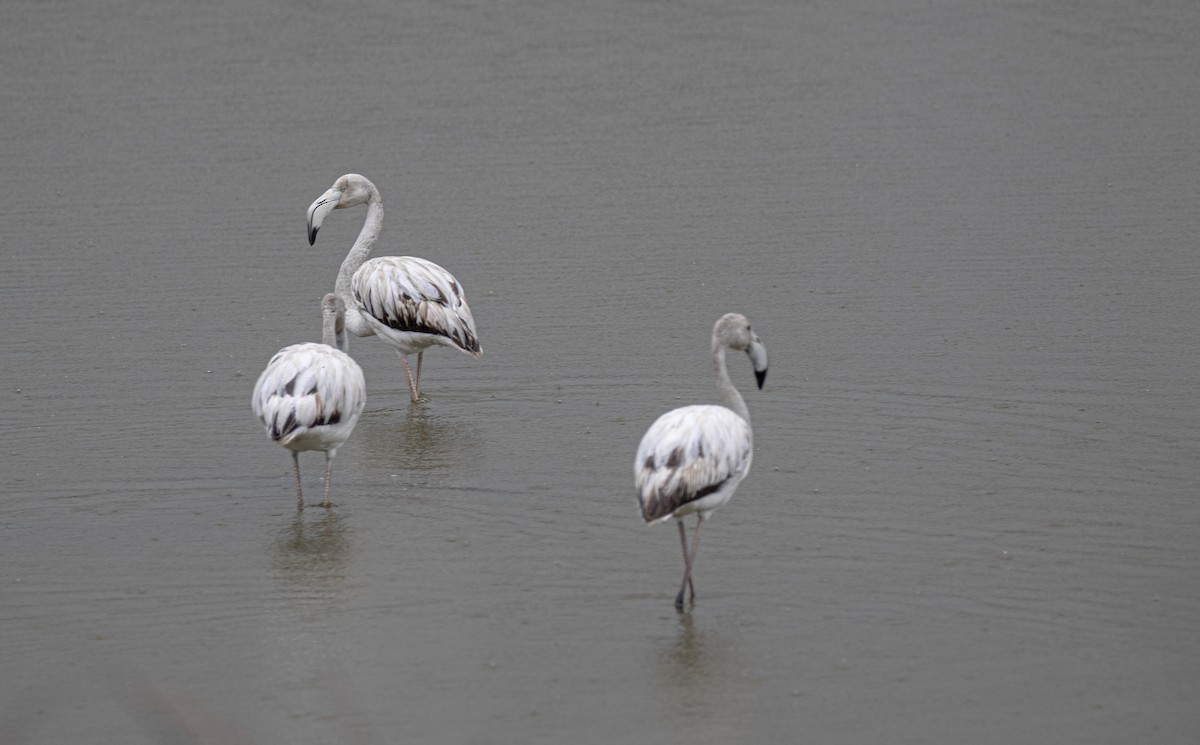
[329, 324]
[355, 323]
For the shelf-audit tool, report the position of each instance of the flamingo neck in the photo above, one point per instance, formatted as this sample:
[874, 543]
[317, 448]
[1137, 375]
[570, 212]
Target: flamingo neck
[730, 396]
[329, 328]
[355, 323]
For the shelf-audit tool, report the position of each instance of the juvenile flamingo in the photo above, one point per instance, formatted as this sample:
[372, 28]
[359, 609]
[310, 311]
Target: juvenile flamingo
[692, 458]
[408, 302]
[311, 395]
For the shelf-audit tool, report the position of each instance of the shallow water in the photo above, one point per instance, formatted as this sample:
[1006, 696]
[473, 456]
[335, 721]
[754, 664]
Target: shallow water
[966, 235]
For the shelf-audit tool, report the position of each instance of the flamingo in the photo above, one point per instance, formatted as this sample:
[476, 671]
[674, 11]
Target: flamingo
[408, 302]
[311, 395]
[693, 458]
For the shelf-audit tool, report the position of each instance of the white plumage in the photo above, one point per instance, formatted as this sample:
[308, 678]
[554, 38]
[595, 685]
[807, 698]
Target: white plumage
[692, 459]
[310, 396]
[410, 303]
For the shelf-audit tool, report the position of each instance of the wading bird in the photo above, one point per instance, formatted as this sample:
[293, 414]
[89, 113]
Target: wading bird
[692, 458]
[408, 302]
[311, 395]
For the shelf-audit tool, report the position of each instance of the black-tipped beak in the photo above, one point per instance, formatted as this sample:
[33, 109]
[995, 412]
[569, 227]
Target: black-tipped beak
[758, 358]
[317, 211]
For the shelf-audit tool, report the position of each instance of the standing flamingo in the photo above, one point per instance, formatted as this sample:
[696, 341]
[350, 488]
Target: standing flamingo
[311, 395]
[410, 303]
[692, 458]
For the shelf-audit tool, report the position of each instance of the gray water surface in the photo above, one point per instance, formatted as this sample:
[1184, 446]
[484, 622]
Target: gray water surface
[966, 233]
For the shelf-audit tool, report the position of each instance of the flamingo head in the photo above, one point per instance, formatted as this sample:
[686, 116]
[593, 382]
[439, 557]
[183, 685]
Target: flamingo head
[348, 191]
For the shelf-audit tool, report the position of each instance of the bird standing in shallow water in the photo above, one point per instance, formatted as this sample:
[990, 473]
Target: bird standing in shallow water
[311, 395]
[408, 302]
[692, 458]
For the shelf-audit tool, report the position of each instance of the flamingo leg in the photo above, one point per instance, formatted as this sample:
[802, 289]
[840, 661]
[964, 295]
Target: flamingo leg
[299, 491]
[412, 386]
[689, 559]
[687, 575]
[329, 477]
[420, 358]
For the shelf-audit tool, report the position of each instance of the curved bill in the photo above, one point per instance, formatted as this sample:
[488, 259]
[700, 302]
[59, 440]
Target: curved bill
[317, 211]
[758, 358]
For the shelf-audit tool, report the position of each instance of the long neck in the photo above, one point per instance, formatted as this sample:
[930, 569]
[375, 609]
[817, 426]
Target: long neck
[329, 330]
[359, 252]
[729, 395]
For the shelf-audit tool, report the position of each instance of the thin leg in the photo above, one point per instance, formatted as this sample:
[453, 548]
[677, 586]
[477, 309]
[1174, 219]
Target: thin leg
[329, 476]
[412, 386]
[689, 560]
[299, 491]
[420, 357]
[687, 577]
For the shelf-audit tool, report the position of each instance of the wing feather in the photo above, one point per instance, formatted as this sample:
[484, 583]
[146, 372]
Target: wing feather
[688, 454]
[415, 296]
[307, 389]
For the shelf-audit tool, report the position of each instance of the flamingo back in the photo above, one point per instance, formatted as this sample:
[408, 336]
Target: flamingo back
[691, 460]
[309, 397]
[414, 303]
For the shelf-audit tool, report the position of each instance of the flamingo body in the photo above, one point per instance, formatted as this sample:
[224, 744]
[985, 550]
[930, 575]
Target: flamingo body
[691, 460]
[310, 397]
[413, 303]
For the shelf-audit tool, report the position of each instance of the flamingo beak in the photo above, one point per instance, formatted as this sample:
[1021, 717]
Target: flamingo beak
[758, 358]
[317, 211]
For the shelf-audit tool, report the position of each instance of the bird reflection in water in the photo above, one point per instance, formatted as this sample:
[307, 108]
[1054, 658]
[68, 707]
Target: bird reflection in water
[424, 442]
[312, 557]
[701, 672]
[311, 554]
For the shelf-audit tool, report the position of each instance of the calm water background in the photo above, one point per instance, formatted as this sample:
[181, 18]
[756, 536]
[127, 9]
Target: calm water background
[965, 231]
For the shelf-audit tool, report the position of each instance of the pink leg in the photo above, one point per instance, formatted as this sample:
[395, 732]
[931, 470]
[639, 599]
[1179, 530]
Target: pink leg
[689, 559]
[329, 477]
[412, 386]
[683, 544]
[299, 491]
